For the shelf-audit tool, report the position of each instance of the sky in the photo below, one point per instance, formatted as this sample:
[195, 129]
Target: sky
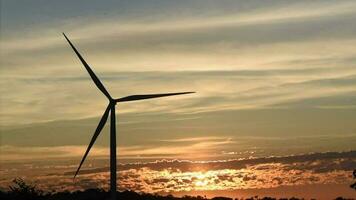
[273, 78]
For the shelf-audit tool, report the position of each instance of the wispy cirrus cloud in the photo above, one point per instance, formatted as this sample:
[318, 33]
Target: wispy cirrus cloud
[203, 145]
[237, 57]
[228, 90]
[195, 148]
[138, 27]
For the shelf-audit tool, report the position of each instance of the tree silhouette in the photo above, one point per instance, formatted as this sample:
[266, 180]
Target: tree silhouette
[354, 184]
[22, 190]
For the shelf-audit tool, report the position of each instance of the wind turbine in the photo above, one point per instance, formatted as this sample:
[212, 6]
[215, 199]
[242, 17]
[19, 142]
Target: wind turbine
[110, 109]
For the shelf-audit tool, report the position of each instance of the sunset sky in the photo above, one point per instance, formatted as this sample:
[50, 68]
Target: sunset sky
[273, 78]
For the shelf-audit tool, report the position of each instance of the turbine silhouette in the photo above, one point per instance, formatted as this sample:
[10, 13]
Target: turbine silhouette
[110, 108]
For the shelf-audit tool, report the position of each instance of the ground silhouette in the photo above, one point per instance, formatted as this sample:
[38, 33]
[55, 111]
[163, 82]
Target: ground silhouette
[20, 190]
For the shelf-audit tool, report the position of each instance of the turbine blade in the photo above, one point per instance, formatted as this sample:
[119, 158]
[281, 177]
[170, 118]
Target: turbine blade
[148, 96]
[90, 71]
[96, 133]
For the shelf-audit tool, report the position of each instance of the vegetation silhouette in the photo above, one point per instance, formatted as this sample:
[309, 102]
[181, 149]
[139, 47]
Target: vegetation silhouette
[354, 184]
[23, 191]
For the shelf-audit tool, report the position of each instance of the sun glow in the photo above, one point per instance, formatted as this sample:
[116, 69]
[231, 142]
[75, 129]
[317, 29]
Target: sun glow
[201, 181]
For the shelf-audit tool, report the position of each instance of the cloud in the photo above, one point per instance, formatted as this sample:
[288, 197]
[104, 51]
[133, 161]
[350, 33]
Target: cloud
[203, 145]
[137, 27]
[300, 46]
[193, 139]
[256, 89]
[11, 153]
[317, 162]
[180, 175]
[55, 140]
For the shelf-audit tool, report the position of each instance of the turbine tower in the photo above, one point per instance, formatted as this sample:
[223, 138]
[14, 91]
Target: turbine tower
[110, 109]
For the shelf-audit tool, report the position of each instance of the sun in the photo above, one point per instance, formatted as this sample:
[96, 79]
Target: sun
[201, 183]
